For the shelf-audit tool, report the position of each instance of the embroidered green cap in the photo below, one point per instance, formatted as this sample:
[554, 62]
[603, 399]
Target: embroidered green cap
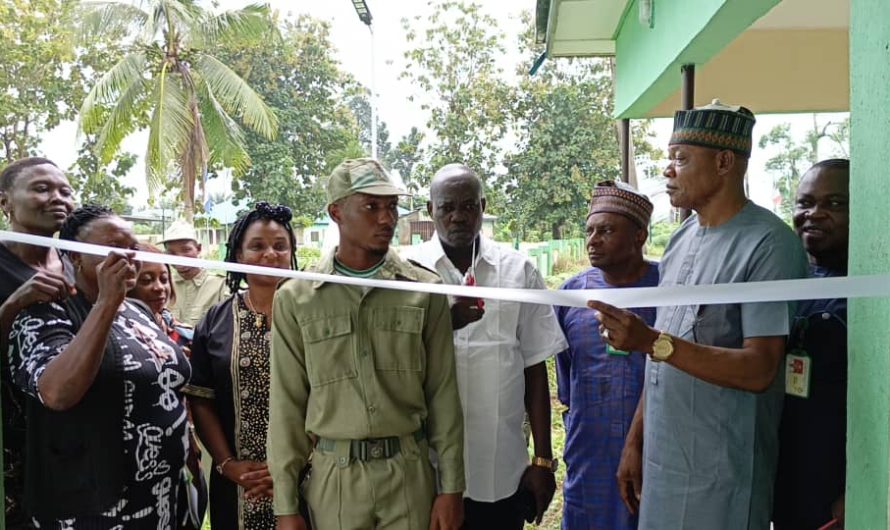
[360, 175]
[716, 125]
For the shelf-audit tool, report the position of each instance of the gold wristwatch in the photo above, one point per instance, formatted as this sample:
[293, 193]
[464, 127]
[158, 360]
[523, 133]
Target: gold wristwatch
[663, 347]
[547, 463]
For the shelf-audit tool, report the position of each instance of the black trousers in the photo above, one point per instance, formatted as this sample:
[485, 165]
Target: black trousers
[505, 514]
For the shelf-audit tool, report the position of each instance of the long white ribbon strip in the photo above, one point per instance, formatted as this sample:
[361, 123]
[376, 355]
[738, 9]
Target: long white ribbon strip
[730, 293]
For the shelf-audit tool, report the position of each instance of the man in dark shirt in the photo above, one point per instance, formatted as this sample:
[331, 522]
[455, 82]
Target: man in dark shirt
[810, 479]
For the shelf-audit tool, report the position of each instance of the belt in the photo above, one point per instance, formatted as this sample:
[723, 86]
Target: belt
[370, 448]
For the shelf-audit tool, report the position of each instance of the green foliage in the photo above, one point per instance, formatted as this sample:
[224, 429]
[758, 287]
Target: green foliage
[453, 62]
[796, 156]
[659, 235]
[567, 142]
[44, 75]
[565, 137]
[170, 82]
[563, 269]
[360, 105]
[145, 229]
[788, 165]
[307, 256]
[406, 157]
[300, 79]
[99, 183]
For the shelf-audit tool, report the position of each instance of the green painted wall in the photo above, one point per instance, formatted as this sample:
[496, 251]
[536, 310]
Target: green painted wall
[648, 60]
[868, 427]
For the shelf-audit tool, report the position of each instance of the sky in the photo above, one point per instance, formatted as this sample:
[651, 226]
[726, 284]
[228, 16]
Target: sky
[353, 43]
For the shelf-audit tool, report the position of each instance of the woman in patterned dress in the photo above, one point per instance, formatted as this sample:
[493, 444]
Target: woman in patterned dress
[229, 391]
[105, 417]
[154, 288]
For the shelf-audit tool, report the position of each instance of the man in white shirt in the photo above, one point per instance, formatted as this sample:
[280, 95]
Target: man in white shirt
[500, 349]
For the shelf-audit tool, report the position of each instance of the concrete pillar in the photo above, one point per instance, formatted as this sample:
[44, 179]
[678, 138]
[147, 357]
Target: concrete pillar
[868, 424]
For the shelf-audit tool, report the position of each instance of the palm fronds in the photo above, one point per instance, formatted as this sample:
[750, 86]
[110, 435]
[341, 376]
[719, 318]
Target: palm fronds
[104, 18]
[169, 130]
[236, 96]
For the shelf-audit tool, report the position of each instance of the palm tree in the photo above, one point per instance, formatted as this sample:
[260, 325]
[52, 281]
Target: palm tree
[170, 82]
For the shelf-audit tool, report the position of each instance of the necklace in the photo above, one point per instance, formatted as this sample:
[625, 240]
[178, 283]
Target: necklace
[258, 317]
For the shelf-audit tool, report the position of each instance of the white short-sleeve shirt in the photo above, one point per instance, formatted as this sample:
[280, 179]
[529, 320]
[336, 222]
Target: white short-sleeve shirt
[491, 357]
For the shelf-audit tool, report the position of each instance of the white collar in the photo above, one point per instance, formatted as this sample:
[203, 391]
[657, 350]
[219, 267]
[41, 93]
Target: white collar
[487, 250]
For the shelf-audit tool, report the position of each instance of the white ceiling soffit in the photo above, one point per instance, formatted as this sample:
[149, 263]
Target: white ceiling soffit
[583, 27]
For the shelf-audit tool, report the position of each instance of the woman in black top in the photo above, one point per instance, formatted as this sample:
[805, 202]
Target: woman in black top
[105, 417]
[229, 392]
[36, 198]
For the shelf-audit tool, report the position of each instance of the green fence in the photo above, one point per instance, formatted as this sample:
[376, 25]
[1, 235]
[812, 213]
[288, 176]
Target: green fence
[544, 255]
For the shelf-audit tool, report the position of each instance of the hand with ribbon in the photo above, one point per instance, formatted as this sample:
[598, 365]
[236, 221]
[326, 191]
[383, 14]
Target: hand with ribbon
[623, 329]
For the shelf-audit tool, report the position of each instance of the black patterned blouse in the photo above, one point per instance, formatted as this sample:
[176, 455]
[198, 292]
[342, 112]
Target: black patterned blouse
[230, 359]
[154, 429]
[15, 273]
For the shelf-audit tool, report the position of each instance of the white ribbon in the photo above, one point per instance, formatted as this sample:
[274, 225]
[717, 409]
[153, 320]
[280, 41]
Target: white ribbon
[730, 293]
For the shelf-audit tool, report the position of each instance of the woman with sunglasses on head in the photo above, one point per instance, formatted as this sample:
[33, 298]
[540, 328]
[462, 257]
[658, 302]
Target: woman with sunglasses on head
[35, 197]
[105, 417]
[229, 392]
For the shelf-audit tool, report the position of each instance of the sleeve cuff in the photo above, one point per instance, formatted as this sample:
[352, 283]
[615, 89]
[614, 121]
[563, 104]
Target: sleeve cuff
[533, 359]
[451, 476]
[286, 500]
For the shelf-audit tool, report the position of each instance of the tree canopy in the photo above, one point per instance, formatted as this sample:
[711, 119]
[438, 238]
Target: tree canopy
[169, 80]
[454, 61]
[300, 79]
[44, 72]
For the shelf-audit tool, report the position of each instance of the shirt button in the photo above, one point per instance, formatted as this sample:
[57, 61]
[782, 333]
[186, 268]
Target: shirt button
[342, 460]
[826, 316]
[245, 394]
[372, 409]
[245, 361]
[364, 353]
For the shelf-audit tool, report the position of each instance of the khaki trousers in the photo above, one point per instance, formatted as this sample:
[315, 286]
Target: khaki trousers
[387, 494]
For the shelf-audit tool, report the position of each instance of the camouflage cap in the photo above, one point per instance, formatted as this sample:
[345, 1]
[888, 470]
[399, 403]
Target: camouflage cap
[360, 175]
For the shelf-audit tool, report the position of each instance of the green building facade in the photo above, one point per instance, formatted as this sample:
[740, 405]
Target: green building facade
[775, 56]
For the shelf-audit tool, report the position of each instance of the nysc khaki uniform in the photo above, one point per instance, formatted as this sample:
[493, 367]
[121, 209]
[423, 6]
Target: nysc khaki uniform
[370, 374]
[195, 297]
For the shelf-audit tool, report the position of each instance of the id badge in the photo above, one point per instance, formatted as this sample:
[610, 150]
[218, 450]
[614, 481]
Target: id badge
[798, 366]
[612, 351]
